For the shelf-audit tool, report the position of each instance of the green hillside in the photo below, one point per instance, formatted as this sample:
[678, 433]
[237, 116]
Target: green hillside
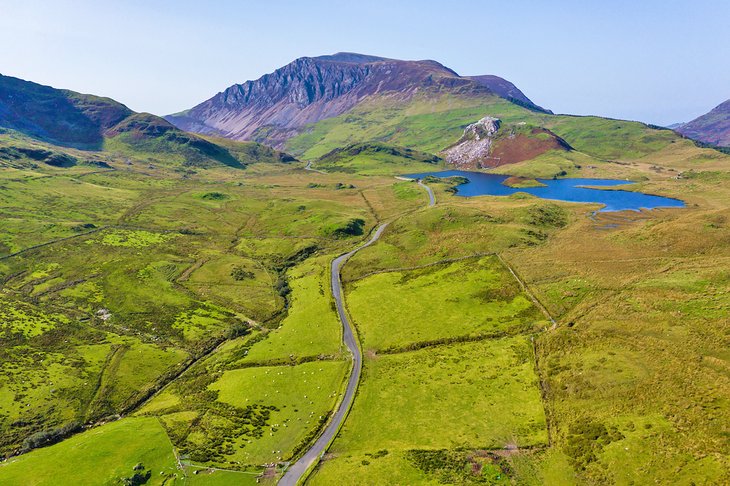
[433, 122]
[167, 316]
[91, 123]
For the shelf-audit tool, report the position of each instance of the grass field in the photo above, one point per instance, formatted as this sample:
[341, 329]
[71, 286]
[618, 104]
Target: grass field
[303, 395]
[481, 395]
[477, 296]
[142, 268]
[242, 418]
[104, 455]
[311, 327]
[122, 270]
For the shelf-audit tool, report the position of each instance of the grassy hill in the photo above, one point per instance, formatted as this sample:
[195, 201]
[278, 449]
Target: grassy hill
[78, 121]
[377, 158]
[432, 123]
[58, 116]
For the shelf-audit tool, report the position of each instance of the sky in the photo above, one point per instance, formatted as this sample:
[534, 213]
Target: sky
[655, 61]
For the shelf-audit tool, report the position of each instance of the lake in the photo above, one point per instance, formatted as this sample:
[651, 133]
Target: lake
[481, 184]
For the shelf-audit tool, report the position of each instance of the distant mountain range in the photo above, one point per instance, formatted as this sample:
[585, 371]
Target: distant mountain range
[343, 103]
[277, 106]
[712, 128]
[69, 119]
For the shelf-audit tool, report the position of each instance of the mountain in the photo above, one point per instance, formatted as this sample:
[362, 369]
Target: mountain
[276, 107]
[55, 115]
[69, 119]
[505, 89]
[712, 128]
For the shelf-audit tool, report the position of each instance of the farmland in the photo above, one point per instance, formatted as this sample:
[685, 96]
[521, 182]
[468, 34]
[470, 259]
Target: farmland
[186, 312]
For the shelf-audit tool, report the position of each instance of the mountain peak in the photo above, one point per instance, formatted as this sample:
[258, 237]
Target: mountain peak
[351, 57]
[278, 105]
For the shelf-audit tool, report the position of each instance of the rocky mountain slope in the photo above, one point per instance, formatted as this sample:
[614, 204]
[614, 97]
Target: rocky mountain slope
[68, 119]
[276, 106]
[712, 128]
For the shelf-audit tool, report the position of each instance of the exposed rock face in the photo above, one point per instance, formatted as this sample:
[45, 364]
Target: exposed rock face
[276, 106]
[712, 127]
[487, 144]
[473, 148]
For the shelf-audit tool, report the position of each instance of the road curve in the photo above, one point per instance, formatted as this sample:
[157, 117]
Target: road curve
[295, 472]
[431, 198]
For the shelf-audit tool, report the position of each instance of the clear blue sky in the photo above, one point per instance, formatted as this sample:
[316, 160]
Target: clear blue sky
[650, 60]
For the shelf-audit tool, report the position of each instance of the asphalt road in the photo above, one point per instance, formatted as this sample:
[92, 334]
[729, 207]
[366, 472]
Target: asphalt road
[296, 470]
[431, 198]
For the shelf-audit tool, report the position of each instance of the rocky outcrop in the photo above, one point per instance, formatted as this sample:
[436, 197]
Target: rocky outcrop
[712, 128]
[487, 144]
[276, 106]
[474, 147]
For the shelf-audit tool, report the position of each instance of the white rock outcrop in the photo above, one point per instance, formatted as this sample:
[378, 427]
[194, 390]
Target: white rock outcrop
[474, 146]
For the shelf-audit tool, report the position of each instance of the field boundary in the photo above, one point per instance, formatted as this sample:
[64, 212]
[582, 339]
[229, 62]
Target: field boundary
[527, 290]
[425, 265]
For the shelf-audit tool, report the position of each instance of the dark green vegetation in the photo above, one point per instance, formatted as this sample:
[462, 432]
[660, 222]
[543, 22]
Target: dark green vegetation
[377, 159]
[182, 283]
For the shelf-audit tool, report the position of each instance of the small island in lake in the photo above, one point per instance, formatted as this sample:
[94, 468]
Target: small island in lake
[521, 182]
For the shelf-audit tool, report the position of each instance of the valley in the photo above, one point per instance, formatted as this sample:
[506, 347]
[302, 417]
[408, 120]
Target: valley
[201, 308]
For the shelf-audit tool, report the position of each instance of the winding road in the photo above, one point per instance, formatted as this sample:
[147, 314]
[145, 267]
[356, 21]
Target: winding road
[431, 198]
[295, 472]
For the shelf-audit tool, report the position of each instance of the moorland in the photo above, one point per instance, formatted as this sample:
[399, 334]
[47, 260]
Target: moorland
[167, 314]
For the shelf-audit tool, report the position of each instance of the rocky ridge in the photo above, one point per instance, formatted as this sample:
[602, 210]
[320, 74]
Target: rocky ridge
[278, 105]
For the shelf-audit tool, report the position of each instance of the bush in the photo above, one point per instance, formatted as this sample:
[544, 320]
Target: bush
[240, 273]
[548, 215]
[138, 478]
[83, 227]
[50, 436]
[586, 439]
[214, 196]
[238, 329]
[60, 160]
[353, 227]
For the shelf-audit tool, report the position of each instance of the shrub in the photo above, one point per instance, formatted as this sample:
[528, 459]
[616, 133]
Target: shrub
[60, 160]
[586, 439]
[50, 436]
[240, 273]
[550, 215]
[214, 196]
[354, 227]
[138, 478]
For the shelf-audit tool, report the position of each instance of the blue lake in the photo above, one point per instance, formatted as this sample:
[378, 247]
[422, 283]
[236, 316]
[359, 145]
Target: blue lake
[481, 184]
